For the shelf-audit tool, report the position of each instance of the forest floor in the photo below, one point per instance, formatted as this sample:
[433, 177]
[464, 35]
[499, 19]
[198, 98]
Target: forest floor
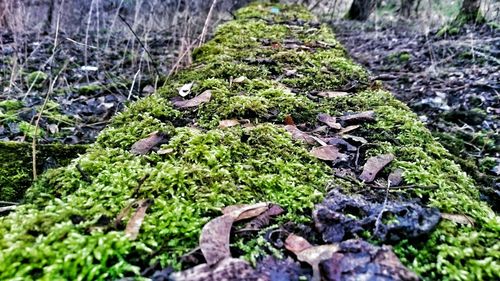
[451, 81]
[90, 84]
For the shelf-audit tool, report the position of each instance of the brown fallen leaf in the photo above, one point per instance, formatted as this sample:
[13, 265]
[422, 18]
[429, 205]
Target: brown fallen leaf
[366, 116]
[332, 94]
[327, 152]
[395, 177]
[229, 269]
[458, 218]
[299, 135]
[348, 129]
[194, 102]
[135, 222]
[312, 255]
[296, 244]
[288, 120]
[329, 120]
[374, 165]
[214, 238]
[185, 89]
[143, 146]
[228, 123]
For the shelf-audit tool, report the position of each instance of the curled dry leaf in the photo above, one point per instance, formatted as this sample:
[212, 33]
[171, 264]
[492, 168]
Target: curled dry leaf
[354, 139]
[299, 135]
[145, 145]
[330, 121]
[327, 152]
[185, 89]
[135, 222]
[214, 238]
[374, 165]
[296, 244]
[228, 123]
[194, 102]
[264, 219]
[348, 129]
[395, 177]
[366, 116]
[460, 219]
[312, 255]
[332, 94]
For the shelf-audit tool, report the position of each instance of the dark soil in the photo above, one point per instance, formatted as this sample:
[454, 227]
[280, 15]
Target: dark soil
[450, 79]
[90, 84]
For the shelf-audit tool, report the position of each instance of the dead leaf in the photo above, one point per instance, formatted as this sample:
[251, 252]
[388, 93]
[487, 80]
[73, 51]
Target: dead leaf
[229, 269]
[143, 146]
[289, 120]
[348, 129]
[239, 79]
[185, 89]
[148, 89]
[299, 135]
[320, 141]
[329, 120]
[264, 219]
[296, 244]
[53, 128]
[228, 123]
[135, 222]
[374, 165]
[395, 177]
[327, 152]
[214, 238]
[165, 151]
[332, 94]
[316, 254]
[354, 139]
[366, 116]
[194, 102]
[458, 218]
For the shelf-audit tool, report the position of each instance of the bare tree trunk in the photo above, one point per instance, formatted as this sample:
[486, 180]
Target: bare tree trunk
[469, 12]
[361, 9]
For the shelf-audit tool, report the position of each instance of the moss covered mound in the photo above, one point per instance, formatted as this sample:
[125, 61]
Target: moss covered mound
[262, 66]
[16, 168]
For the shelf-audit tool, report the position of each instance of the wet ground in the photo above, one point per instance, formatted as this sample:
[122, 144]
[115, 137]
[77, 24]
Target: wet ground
[450, 80]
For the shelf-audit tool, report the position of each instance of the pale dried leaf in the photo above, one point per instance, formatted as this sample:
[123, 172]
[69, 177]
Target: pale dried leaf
[355, 139]
[239, 79]
[458, 218]
[229, 269]
[348, 129]
[228, 123]
[143, 146]
[333, 94]
[185, 89]
[366, 116]
[214, 239]
[296, 244]
[395, 177]
[330, 121]
[327, 152]
[165, 151]
[299, 135]
[316, 254]
[194, 102]
[135, 222]
[374, 165]
[245, 211]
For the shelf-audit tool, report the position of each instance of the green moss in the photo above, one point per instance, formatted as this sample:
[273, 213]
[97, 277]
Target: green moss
[89, 89]
[36, 79]
[16, 165]
[11, 105]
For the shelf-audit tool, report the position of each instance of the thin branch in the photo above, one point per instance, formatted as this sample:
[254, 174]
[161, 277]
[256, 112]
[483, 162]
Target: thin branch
[207, 21]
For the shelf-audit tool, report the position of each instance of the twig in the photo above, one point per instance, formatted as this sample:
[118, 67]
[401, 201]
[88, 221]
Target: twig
[379, 217]
[142, 44]
[7, 208]
[8, 203]
[207, 21]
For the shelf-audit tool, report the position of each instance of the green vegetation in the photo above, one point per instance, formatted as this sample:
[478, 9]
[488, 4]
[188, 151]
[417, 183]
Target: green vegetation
[66, 229]
[36, 79]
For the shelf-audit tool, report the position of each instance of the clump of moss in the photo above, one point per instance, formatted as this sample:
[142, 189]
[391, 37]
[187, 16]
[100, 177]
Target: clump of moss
[11, 104]
[36, 79]
[89, 89]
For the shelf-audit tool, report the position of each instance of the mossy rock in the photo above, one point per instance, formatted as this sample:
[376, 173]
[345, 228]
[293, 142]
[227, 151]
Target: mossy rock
[16, 172]
[36, 79]
[64, 229]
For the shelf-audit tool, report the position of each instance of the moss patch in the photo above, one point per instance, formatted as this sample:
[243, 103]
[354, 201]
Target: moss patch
[66, 229]
[16, 173]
